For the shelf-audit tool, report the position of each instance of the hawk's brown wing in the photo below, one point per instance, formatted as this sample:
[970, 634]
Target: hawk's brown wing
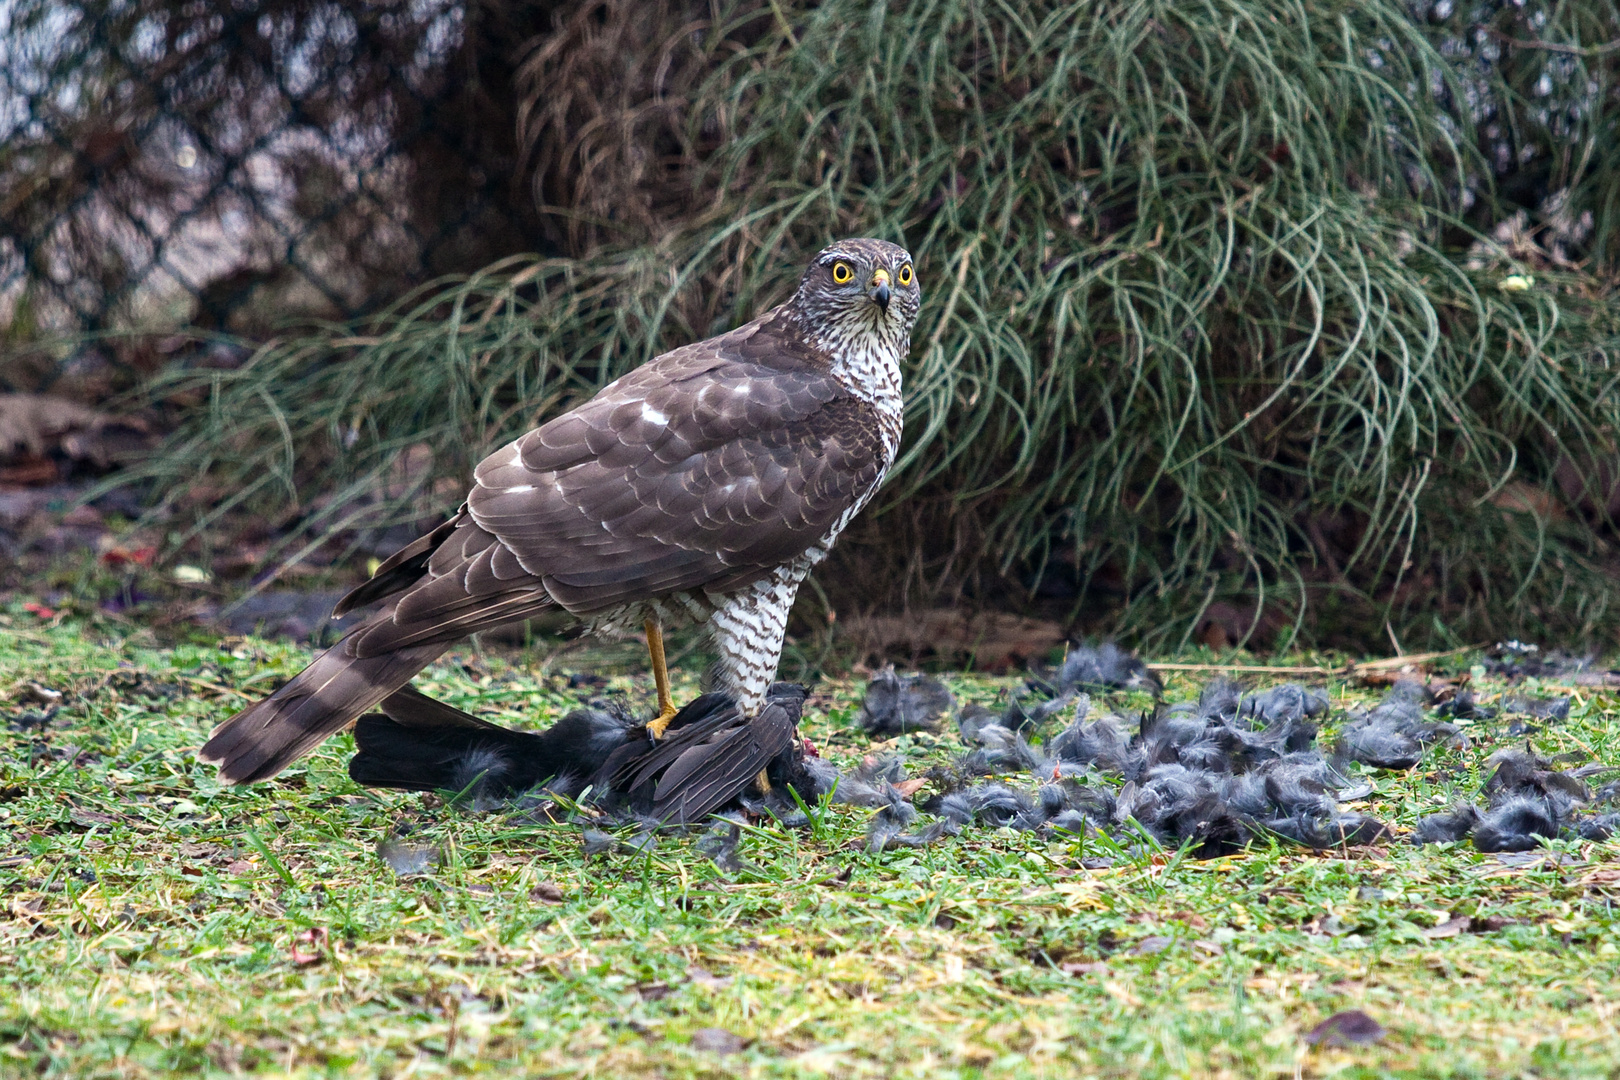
[705, 469]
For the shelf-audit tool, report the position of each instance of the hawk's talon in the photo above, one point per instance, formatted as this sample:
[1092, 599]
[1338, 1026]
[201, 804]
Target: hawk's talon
[656, 726]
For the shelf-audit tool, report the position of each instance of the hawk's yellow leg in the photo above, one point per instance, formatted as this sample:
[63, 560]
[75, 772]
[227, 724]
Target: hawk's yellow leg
[666, 706]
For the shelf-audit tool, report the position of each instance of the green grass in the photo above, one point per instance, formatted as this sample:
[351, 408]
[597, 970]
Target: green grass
[158, 923]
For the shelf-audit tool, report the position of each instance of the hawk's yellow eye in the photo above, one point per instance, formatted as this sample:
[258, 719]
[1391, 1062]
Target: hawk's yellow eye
[904, 277]
[842, 273]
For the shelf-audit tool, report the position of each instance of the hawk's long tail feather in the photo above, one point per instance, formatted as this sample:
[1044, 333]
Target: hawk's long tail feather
[266, 737]
[426, 745]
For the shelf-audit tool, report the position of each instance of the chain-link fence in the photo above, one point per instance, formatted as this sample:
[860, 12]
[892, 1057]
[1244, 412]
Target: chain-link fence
[225, 166]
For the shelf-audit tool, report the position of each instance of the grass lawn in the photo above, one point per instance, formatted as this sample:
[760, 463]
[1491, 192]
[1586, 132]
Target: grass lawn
[156, 922]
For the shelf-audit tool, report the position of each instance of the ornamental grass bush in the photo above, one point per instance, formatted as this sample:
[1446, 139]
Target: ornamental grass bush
[1239, 326]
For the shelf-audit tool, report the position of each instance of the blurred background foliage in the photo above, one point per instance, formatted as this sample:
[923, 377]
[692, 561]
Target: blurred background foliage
[1258, 322]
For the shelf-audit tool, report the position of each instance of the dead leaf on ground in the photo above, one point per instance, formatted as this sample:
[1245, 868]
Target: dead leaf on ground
[717, 1041]
[1441, 689]
[1191, 918]
[34, 426]
[1519, 497]
[315, 939]
[704, 978]
[1449, 928]
[34, 422]
[90, 818]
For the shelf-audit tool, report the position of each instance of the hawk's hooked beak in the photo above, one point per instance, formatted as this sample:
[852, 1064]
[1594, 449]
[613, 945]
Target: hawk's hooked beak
[879, 289]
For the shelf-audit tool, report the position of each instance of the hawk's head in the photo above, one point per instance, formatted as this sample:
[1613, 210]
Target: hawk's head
[861, 288]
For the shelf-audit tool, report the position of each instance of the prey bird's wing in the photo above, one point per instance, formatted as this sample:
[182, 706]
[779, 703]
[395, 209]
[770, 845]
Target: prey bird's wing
[638, 761]
[709, 775]
[710, 752]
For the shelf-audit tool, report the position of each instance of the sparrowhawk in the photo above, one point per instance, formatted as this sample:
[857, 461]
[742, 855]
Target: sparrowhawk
[701, 487]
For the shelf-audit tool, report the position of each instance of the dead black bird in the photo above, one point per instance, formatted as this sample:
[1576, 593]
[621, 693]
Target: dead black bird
[711, 752]
[1515, 660]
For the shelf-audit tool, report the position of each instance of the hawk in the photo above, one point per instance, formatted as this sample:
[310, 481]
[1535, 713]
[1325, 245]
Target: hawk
[702, 487]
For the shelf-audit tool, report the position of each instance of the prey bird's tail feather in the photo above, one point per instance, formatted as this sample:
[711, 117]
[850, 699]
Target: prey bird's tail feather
[411, 757]
[409, 707]
[266, 737]
[425, 745]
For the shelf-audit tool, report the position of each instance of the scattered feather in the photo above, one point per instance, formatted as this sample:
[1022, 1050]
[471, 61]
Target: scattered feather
[895, 705]
[406, 859]
[1518, 823]
[1394, 733]
[1150, 946]
[1026, 712]
[1525, 660]
[1464, 706]
[980, 726]
[720, 844]
[1107, 667]
[1450, 826]
[1554, 710]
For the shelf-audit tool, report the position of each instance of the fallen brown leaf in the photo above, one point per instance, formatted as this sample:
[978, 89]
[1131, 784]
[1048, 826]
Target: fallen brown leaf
[717, 1041]
[547, 893]
[315, 938]
[1449, 928]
